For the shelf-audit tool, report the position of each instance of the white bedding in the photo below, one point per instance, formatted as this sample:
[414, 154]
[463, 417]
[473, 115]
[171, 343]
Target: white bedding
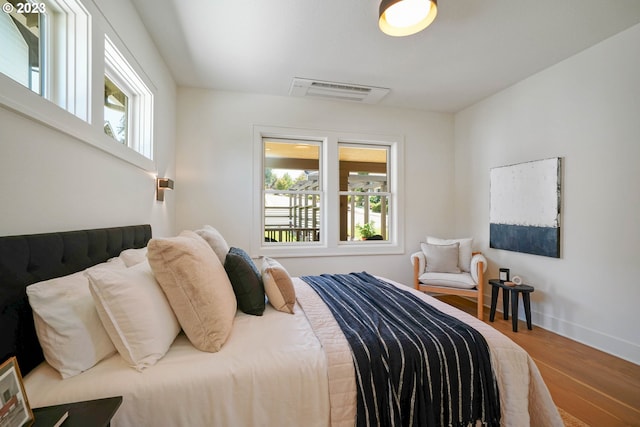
[273, 371]
[524, 397]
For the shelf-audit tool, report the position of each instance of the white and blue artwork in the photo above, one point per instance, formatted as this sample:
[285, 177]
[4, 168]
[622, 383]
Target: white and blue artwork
[525, 207]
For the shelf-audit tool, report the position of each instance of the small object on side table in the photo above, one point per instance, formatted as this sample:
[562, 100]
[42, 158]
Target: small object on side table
[95, 413]
[511, 292]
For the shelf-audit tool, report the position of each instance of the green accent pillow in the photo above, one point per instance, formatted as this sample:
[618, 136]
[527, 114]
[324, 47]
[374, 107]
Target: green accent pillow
[246, 281]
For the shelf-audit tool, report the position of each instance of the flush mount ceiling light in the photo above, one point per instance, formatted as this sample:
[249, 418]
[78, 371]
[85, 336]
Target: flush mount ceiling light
[406, 17]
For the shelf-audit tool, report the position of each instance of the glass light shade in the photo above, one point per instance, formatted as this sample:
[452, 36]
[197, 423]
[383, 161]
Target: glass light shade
[406, 17]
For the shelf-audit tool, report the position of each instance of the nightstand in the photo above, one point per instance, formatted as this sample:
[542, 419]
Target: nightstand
[90, 413]
[511, 292]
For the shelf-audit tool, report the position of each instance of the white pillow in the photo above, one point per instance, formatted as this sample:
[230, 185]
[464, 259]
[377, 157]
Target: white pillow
[135, 313]
[216, 241]
[132, 257]
[464, 254]
[67, 324]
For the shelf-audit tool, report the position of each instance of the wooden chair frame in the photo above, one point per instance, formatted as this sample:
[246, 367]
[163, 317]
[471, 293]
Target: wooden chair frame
[477, 292]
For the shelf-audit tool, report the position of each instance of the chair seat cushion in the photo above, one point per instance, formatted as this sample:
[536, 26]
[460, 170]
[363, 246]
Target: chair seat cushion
[450, 280]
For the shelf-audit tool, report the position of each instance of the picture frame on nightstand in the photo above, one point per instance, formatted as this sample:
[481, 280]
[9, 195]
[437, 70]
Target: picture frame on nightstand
[504, 275]
[14, 405]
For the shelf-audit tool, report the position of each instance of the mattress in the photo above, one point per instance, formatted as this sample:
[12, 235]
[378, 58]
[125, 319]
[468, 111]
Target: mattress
[275, 370]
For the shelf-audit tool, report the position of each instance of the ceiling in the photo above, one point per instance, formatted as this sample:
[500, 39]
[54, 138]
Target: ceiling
[472, 50]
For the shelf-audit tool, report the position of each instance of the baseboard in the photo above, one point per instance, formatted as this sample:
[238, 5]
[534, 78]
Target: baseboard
[609, 344]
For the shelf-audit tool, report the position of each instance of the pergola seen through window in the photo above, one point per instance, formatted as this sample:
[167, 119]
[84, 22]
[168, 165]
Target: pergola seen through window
[293, 191]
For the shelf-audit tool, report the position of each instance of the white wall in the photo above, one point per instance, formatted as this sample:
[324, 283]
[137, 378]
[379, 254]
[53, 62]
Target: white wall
[52, 181]
[586, 110]
[215, 170]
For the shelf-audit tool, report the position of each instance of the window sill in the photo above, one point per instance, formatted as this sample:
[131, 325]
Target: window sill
[21, 100]
[347, 249]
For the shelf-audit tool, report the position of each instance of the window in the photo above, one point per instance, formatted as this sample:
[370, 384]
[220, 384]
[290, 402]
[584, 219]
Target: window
[128, 103]
[46, 62]
[116, 112]
[327, 193]
[45, 47]
[364, 195]
[22, 54]
[292, 191]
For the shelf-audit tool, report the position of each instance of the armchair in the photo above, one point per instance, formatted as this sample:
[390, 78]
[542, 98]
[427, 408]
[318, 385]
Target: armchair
[450, 267]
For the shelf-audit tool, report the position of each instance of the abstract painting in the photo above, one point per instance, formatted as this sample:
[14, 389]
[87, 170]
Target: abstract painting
[525, 207]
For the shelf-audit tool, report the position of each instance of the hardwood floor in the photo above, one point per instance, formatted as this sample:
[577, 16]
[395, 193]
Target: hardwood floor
[595, 387]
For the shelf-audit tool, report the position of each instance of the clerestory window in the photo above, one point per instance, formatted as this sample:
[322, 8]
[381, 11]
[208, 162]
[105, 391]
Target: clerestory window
[128, 103]
[45, 47]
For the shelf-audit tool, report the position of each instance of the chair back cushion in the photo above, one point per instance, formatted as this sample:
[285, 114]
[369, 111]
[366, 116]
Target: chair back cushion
[465, 251]
[441, 258]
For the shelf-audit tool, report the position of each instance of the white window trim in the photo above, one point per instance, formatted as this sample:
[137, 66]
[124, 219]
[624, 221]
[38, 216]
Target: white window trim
[23, 101]
[77, 70]
[54, 114]
[330, 244]
[140, 107]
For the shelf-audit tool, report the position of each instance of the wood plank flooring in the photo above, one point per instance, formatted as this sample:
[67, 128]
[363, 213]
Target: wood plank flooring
[600, 389]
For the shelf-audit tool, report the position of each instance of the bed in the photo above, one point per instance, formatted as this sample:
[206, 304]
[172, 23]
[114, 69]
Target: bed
[275, 369]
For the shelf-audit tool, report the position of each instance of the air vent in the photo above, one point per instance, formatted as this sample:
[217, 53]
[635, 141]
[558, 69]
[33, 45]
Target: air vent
[339, 91]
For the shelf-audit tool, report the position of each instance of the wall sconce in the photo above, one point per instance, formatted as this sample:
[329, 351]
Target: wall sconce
[161, 185]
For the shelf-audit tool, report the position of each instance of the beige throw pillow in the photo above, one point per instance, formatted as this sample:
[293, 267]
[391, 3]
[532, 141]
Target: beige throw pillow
[196, 286]
[441, 258]
[464, 254]
[278, 285]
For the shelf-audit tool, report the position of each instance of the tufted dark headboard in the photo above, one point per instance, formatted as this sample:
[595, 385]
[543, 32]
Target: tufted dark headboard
[32, 258]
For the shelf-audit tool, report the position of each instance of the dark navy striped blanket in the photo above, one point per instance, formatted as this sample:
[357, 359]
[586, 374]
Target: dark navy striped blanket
[415, 366]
